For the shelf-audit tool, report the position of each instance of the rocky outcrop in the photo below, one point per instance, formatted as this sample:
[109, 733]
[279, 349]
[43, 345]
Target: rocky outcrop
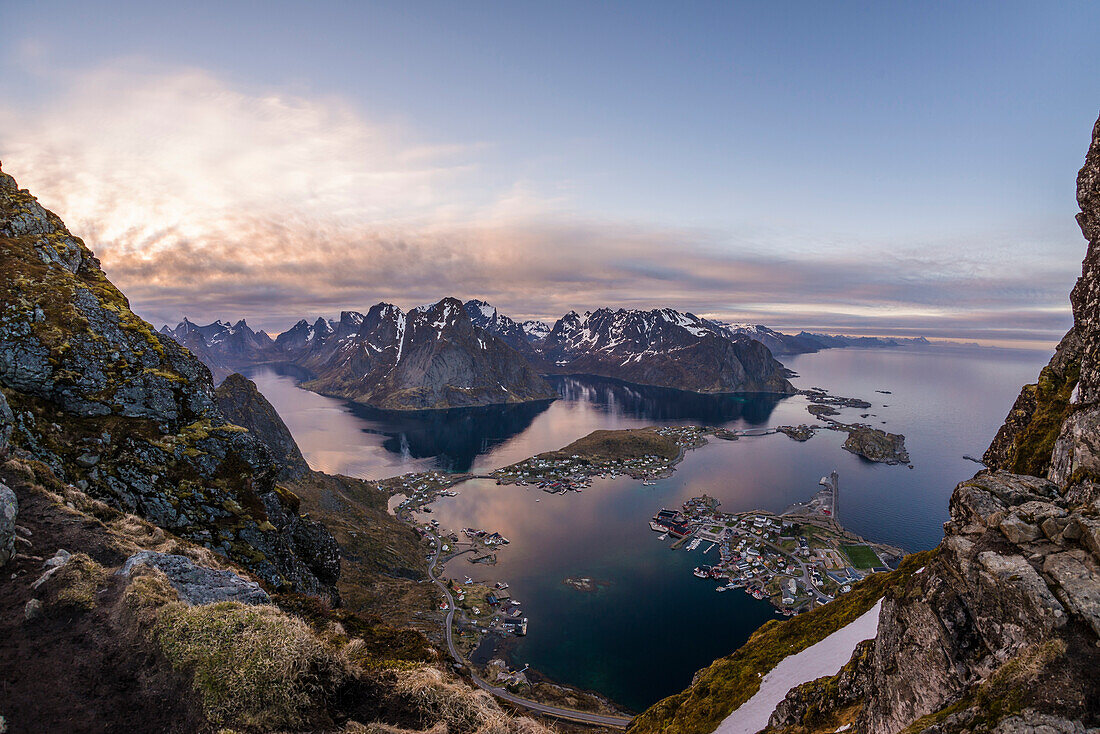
[7, 420]
[128, 415]
[243, 405]
[197, 584]
[877, 445]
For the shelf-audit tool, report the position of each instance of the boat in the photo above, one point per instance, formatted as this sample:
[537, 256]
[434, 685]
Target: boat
[722, 588]
[702, 571]
[663, 537]
[694, 544]
[658, 527]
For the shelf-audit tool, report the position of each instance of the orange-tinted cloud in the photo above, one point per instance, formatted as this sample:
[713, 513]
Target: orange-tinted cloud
[206, 199]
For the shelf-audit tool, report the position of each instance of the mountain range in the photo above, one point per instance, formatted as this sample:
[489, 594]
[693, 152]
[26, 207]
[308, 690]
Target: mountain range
[451, 354]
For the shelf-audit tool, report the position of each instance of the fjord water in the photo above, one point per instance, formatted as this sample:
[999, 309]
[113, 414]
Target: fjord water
[651, 624]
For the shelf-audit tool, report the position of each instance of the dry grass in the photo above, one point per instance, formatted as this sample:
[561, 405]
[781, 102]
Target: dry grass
[75, 584]
[457, 707]
[253, 666]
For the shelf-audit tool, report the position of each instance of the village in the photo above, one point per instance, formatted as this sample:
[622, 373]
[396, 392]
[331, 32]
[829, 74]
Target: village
[797, 560]
[557, 472]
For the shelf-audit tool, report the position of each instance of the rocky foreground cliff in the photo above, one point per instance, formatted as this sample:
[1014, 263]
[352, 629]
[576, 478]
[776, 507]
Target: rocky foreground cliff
[998, 628]
[159, 571]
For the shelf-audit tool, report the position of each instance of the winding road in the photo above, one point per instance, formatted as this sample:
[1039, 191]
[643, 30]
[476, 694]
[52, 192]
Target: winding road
[617, 722]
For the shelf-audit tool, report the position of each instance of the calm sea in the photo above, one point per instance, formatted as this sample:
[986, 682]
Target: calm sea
[652, 624]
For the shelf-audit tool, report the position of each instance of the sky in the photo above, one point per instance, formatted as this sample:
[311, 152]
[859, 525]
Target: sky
[863, 168]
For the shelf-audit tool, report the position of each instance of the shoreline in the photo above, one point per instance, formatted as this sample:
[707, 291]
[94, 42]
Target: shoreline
[646, 455]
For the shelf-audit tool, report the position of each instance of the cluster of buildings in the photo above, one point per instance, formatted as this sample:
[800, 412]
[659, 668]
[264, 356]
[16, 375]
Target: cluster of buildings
[484, 537]
[686, 437]
[791, 562]
[419, 489]
[575, 473]
[505, 614]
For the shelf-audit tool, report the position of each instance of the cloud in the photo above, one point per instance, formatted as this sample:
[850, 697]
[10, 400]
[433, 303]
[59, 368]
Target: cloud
[208, 199]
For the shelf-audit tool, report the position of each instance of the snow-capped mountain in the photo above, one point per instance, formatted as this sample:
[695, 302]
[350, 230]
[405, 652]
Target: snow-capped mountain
[661, 347]
[450, 354]
[536, 331]
[777, 342]
[487, 317]
[434, 356]
[224, 348]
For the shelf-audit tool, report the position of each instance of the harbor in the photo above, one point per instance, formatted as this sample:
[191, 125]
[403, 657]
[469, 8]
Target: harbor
[796, 560]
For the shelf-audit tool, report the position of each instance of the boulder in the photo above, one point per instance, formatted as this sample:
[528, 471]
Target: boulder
[197, 584]
[9, 508]
[1017, 531]
[1079, 583]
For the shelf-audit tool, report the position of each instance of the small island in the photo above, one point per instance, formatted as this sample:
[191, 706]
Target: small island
[585, 583]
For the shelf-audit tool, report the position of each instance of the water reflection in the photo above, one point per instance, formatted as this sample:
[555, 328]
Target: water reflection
[643, 635]
[454, 438]
[357, 440]
[667, 406]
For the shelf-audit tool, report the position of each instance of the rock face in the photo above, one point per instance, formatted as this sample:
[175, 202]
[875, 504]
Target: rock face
[9, 509]
[243, 405]
[129, 415]
[664, 348]
[197, 584]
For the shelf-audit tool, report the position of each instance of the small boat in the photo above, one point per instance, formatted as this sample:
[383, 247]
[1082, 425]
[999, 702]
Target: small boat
[663, 537]
[722, 588]
[702, 571]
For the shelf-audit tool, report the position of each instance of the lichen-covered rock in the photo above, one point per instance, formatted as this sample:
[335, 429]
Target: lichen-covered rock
[197, 584]
[9, 509]
[127, 414]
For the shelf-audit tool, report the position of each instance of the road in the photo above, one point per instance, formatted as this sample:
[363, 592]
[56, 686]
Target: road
[617, 722]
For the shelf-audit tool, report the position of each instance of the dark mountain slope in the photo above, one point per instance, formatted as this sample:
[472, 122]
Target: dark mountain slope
[433, 357]
[243, 405]
[663, 348]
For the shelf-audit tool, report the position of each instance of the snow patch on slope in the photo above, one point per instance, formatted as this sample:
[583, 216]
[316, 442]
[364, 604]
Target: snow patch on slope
[825, 658]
